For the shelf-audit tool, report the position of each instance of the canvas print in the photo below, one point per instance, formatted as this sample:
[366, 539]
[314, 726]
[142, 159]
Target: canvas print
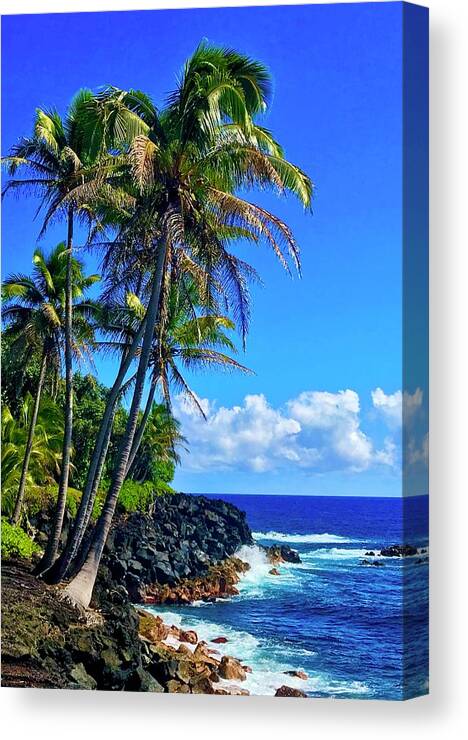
[215, 351]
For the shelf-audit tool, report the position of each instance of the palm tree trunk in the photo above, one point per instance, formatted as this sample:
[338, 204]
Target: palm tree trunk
[60, 568]
[27, 455]
[141, 429]
[54, 538]
[80, 589]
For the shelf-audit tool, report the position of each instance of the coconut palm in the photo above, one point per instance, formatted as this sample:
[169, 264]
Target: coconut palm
[68, 166]
[188, 167]
[159, 445]
[185, 340]
[34, 313]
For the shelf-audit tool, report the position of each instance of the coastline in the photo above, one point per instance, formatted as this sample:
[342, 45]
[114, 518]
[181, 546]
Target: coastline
[198, 609]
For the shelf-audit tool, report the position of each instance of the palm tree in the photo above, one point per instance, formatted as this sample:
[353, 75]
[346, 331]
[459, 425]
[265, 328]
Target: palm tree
[159, 444]
[120, 327]
[184, 339]
[68, 166]
[195, 155]
[35, 316]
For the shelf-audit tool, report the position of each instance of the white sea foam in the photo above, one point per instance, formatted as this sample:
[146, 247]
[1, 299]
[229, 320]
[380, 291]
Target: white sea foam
[254, 581]
[268, 660]
[334, 553]
[300, 538]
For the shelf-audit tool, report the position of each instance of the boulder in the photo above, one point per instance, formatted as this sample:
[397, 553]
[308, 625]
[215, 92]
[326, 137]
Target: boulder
[81, 677]
[152, 627]
[219, 640]
[297, 674]
[202, 685]
[177, 687]
[181, 540]
[231, 668]
[376, 563]
[281, 554]
[399, 551]
[288, 691]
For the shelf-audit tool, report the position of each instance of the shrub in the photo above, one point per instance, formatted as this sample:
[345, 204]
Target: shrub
[15, 542]
[136, 496]
[42, 498]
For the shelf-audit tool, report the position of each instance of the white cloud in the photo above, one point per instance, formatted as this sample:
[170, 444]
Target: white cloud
[316, 431]
[389, 406]
[397, 408]
[332, 421]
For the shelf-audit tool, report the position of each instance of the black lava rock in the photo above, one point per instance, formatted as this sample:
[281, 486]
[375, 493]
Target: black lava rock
[182, 537]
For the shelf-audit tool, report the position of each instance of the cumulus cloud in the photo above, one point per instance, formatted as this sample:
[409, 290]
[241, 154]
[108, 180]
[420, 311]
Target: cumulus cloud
[388, 405]
[316, 431]
[397, 407]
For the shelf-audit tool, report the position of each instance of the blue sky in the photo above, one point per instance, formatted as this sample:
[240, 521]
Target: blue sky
[320, 346]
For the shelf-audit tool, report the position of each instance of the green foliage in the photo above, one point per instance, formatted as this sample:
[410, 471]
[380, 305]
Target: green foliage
[90, 400]
[46, 451]
[34, 309]
[143, 175]
[43, 498]
[18, 378]
[136, 496]
[156, 458]
[15, 542]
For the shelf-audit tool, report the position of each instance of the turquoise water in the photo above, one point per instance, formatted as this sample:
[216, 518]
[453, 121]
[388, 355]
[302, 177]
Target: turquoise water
[357, 631]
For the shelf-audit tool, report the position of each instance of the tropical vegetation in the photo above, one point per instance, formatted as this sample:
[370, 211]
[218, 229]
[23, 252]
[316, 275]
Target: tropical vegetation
[166, 194]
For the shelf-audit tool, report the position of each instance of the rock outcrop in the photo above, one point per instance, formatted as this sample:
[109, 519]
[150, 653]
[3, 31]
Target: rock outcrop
[281, 554]
[183, 552]
[288, 691]
[181, 540]
[398, 551]
[219, 582]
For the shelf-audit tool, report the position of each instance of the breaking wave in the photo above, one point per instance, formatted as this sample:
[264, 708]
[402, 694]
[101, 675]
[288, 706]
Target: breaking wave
[301, 538]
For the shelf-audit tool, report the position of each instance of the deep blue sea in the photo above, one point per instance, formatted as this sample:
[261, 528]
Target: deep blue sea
[357, 631]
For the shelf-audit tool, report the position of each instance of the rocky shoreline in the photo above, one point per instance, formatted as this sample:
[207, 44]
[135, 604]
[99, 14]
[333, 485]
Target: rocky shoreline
[184, 551]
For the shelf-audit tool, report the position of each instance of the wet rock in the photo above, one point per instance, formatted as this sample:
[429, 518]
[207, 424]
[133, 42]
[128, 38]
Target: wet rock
[375, 563]
[218, 582]
[297, 674]
[282, 554]
[189, 636]
[274, 572]
[289, 691]
[231, 668]
[219, 640]
[152, 627]
[399, 551]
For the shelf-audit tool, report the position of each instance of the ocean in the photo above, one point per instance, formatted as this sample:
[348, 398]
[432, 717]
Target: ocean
[357, 631]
